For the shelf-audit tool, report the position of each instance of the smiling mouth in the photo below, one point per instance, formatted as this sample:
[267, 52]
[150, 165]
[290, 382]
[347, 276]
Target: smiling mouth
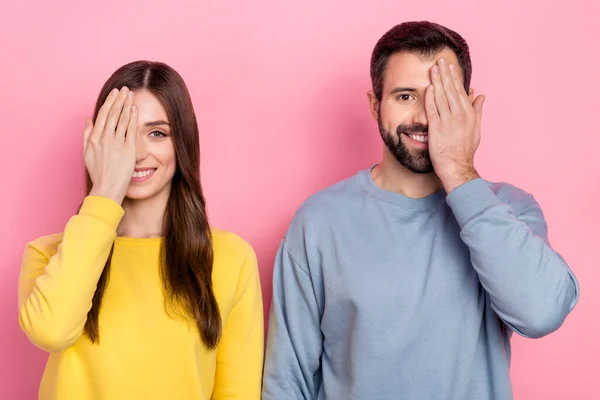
[421, 138]
[144, 173]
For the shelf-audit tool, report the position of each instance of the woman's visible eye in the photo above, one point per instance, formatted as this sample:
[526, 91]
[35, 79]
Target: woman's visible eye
[158, 134]
[405, 97]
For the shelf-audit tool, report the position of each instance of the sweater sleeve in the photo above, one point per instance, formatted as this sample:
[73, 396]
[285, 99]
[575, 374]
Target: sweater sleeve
[241, 349]
[531, 287]
[56, 288]
[295, 341]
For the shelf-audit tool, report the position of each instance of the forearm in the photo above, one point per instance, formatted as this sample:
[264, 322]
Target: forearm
[531, 287]
[55, 298]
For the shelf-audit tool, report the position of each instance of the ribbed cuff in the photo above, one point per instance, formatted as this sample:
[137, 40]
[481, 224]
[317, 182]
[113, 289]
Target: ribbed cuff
[470, 199]
[104, 209]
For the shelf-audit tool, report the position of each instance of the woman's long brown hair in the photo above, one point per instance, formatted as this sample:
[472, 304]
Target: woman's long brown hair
[186, 253]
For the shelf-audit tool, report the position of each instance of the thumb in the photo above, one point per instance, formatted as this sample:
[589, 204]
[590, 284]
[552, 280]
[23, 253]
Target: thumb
[478, 106]
[89, 125]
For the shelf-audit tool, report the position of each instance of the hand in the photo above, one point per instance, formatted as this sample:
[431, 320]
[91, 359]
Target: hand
[454, 126]
[109, 146]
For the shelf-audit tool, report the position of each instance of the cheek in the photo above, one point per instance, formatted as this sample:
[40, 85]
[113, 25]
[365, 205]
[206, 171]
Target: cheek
[164, 152]
[392, 115]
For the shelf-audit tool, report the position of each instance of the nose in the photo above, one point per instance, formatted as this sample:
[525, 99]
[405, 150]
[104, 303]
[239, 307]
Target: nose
[420, 115]
[141, 149]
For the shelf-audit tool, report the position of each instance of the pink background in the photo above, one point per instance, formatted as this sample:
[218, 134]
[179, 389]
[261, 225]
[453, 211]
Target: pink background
[279, 89]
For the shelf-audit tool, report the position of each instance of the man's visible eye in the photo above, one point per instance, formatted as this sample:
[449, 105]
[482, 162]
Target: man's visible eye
[405, 97]
[157, 134]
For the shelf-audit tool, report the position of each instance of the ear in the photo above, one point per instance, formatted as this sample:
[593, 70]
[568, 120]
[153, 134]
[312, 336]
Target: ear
[471, 94]
[373, 105]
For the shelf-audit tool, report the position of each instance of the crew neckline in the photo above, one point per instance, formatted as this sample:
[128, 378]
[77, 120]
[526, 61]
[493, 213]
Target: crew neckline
[138, 241]
[408, 203]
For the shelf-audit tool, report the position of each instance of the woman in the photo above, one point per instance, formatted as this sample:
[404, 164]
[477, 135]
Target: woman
[139, 298]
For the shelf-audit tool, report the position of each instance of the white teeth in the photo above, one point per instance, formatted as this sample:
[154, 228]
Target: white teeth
[419, 138]
[141, 174]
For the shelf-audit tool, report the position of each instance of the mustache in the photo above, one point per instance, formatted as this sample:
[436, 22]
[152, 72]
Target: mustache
[413, 128]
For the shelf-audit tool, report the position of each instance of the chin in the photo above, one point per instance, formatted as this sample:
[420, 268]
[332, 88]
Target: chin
[139, 195]
[142, 193]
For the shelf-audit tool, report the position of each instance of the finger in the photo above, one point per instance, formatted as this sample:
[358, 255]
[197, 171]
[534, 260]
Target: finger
[462, 95]
[114, 114]
[131, 135]
[433, 117]
[449, 88]
[86, 132]
[478, 106]
[441, 103]
[103, 112]
[124, 119]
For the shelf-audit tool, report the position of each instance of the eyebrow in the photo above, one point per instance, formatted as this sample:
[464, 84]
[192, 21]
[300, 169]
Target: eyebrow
[156, 123]
[403, 89]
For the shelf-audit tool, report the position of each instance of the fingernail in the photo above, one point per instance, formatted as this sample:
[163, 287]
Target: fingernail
[442, 61]
[130, 94]
[124, 89]
[435, 69]
[114, 92]
[451, 67]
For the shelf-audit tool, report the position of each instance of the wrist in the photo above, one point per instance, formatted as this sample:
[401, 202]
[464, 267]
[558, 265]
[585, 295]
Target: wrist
[108, 193]
[456, 176]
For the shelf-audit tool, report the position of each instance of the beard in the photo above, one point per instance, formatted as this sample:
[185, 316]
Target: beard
[417, 161]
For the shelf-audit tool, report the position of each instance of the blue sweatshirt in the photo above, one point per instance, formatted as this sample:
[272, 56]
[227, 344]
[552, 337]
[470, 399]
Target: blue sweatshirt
[378, 296]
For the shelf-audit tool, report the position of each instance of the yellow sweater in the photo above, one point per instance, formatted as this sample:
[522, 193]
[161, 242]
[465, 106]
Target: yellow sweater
[143, 353]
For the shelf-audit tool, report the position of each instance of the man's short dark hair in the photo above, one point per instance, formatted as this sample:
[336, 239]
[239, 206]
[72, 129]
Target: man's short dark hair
[423, 38]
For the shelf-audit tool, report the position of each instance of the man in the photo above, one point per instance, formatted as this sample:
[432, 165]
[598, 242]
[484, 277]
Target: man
[407, 280]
